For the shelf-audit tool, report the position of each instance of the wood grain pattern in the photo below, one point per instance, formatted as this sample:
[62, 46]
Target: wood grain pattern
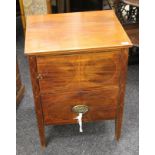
[78, 72]
[80, 31]
[77, 59]
[57, 108]
[70, 80]
[36, 94]
[122, 85]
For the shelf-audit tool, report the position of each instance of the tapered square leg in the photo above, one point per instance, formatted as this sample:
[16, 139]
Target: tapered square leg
[37, 101]
[122, 84]
[42, 136]
[118, 124]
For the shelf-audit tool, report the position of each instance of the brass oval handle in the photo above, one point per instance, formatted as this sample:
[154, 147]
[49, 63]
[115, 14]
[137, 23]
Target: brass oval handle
[80, 109]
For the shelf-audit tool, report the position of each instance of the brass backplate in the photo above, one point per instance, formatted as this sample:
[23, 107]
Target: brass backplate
[80, 109]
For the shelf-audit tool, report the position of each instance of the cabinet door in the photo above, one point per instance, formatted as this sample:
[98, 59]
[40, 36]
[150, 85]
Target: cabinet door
[82, 72]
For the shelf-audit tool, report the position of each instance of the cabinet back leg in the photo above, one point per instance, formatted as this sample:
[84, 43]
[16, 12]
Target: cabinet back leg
[118, 126]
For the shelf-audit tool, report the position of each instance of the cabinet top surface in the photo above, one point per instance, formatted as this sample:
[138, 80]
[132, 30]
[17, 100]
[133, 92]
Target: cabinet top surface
[74, 32]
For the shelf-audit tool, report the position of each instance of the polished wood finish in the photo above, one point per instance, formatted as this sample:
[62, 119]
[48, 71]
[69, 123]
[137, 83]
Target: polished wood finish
[77, 71]
[99, 68]
[37, 101]
[69, 80]
[122, 84]
[74, 32]
[102, 103]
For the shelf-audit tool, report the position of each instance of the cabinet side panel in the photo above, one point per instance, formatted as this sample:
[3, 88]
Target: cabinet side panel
[36, 94]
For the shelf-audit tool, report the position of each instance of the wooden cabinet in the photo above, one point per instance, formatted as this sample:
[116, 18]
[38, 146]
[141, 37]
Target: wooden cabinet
[77, 59]
[68, 80]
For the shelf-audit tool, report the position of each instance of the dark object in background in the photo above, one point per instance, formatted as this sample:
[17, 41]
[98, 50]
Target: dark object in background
[17, 8]
[133, 56]
[86, 5]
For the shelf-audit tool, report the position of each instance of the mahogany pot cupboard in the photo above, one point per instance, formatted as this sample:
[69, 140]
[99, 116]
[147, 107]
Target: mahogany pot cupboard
[77, 60]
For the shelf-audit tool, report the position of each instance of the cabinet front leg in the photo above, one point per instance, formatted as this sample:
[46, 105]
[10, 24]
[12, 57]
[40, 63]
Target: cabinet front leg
[42, 136]
[37, 101]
